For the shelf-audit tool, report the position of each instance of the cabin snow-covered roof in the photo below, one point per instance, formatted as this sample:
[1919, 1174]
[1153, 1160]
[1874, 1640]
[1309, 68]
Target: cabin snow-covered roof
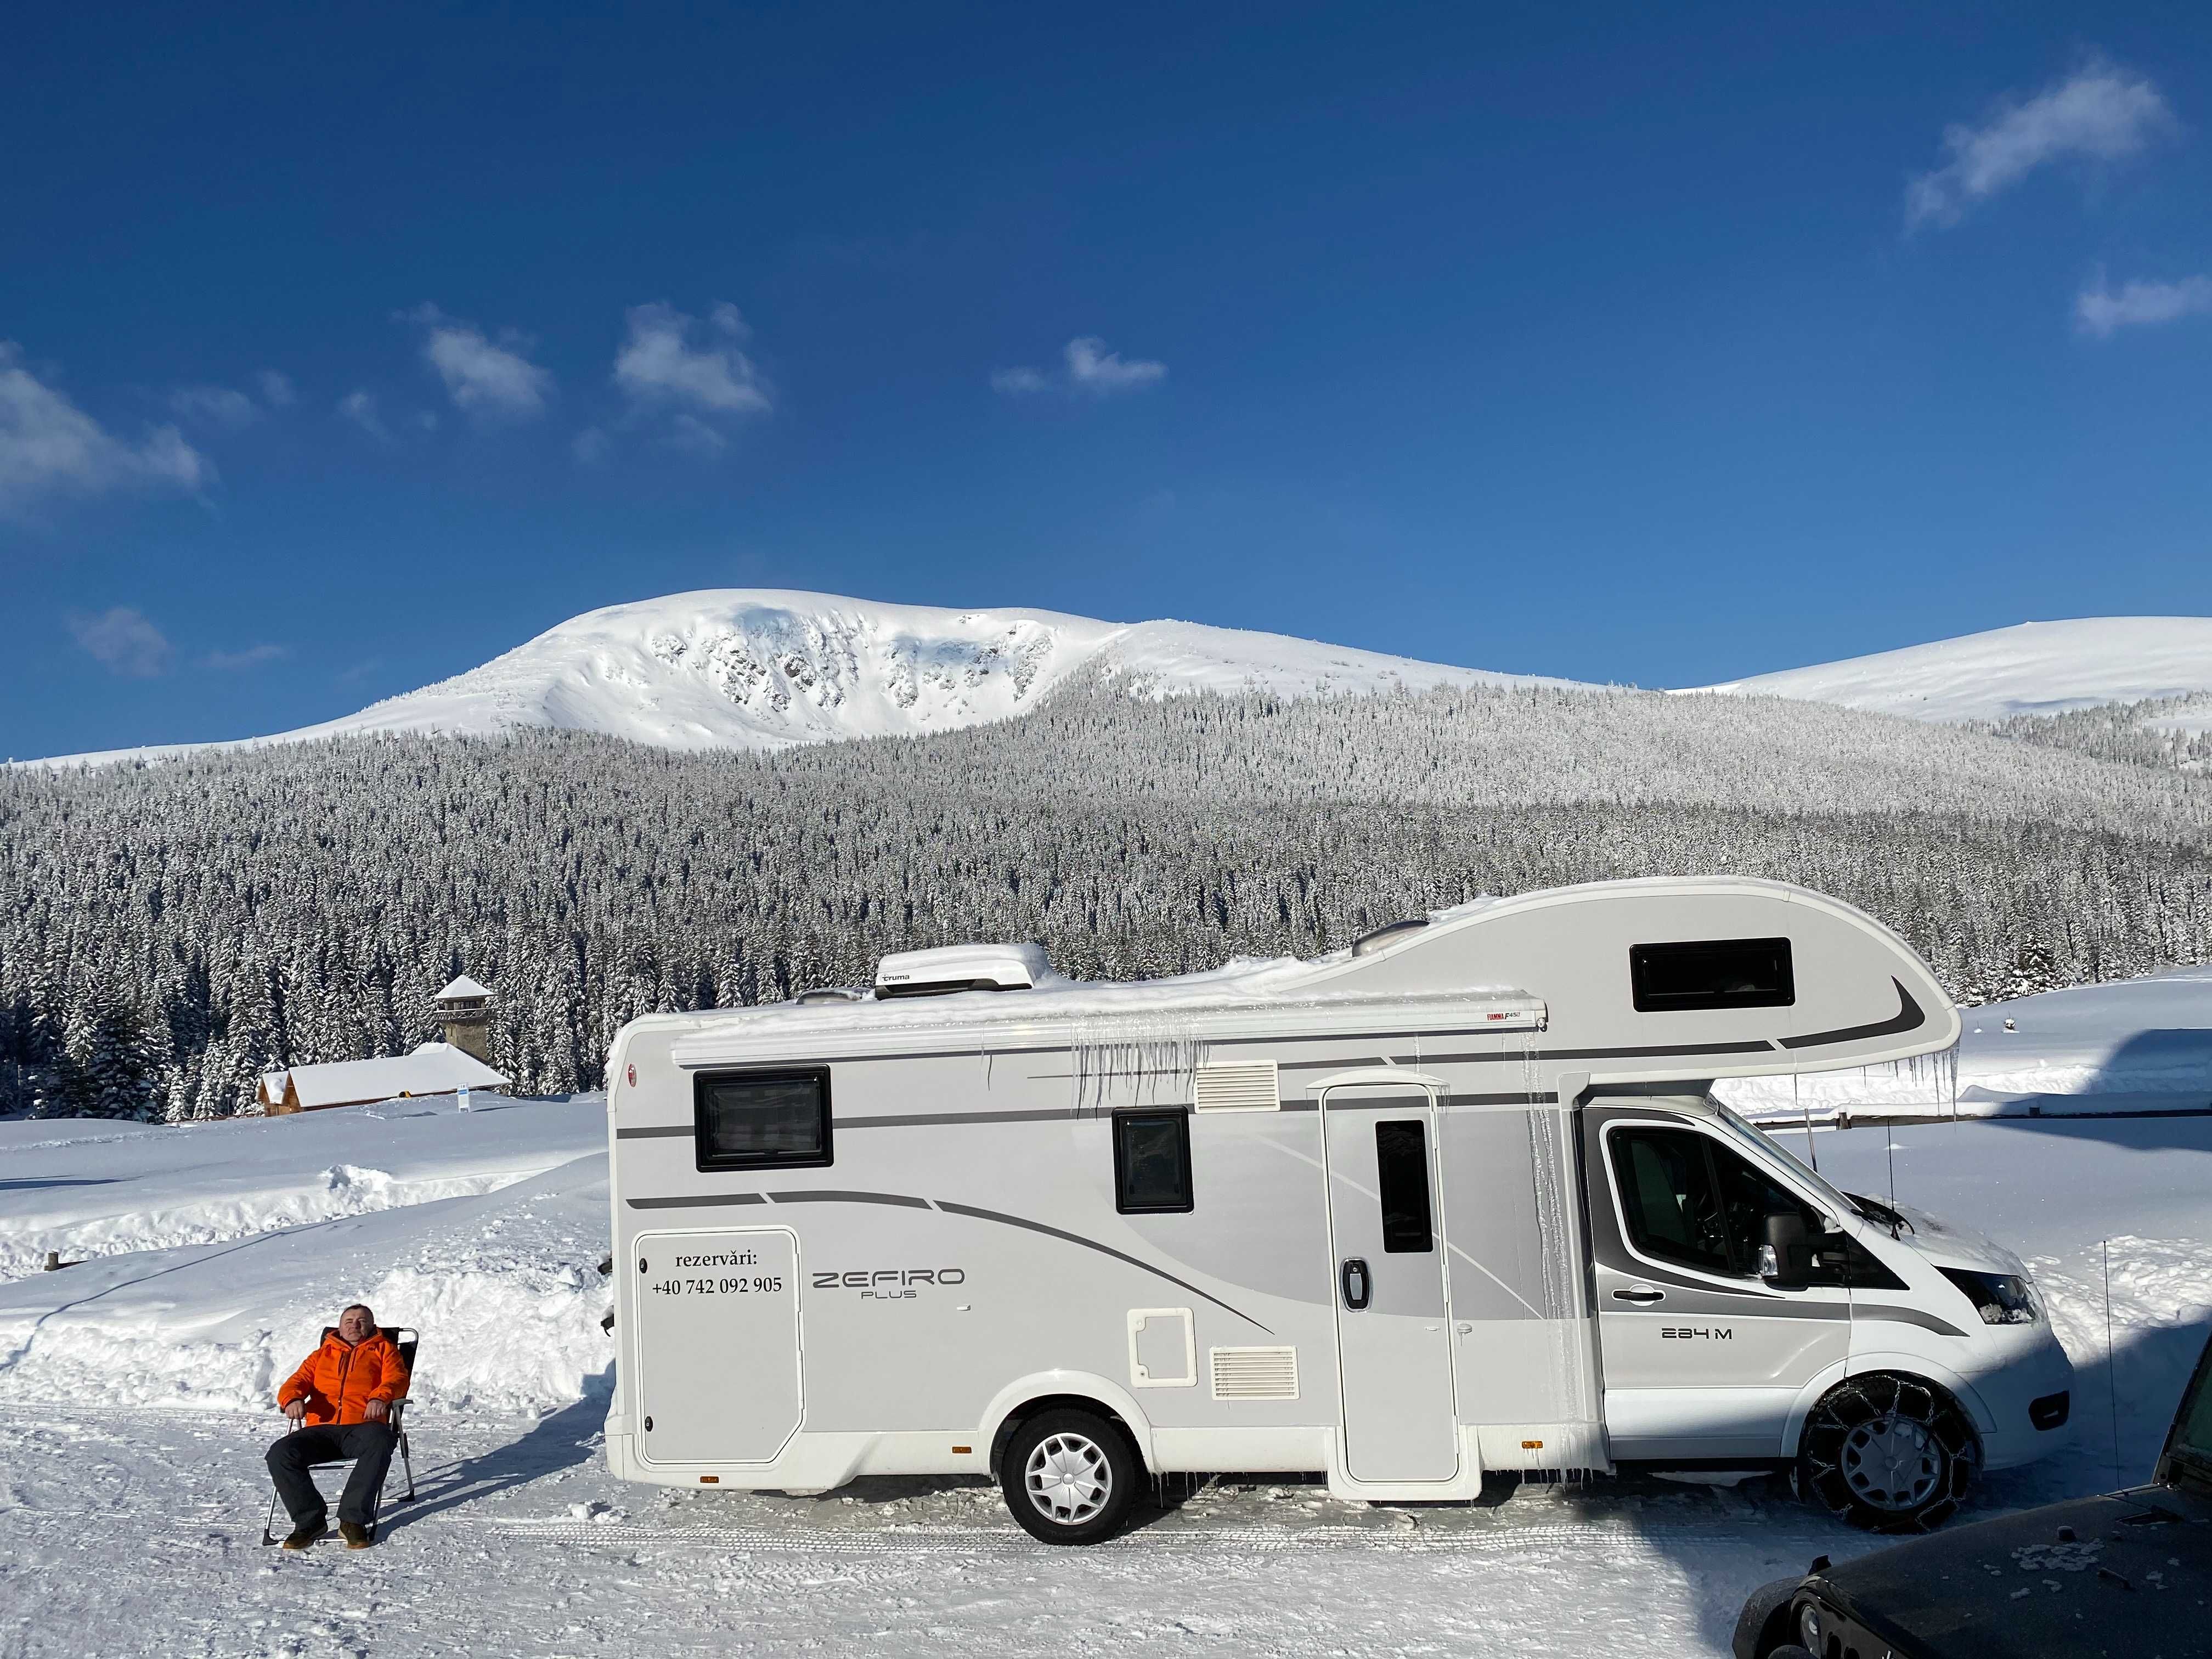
[462, 987]
[435, 1068]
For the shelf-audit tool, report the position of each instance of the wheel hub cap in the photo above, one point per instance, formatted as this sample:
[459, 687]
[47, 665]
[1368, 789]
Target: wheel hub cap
[1893, 1462]
[1068, 1479]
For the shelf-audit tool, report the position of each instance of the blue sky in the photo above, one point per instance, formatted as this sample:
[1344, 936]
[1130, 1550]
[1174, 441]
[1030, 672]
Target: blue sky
[1659, 344]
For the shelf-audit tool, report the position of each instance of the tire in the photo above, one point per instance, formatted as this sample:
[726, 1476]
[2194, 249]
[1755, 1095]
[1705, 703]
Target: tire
[1888, 1453]
[1069, 1477]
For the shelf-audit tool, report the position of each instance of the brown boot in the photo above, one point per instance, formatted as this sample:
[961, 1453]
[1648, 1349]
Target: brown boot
[356, 1536]
[304, 1537]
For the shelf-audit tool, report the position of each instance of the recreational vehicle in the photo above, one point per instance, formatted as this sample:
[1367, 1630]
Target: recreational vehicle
[1457, 1199]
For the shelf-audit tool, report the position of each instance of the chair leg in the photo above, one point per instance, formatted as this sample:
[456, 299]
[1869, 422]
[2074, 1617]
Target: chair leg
[269, 1526]
[407, 1464]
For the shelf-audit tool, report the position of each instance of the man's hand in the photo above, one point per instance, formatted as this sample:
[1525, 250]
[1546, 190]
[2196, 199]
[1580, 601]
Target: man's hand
[375, 1412]
[296, 1410]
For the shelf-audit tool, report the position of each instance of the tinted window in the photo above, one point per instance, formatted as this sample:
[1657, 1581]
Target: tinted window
[1668, 1194]
[1151, 1162]
[1402, 1176]
[759, 1120]
[1715, 972]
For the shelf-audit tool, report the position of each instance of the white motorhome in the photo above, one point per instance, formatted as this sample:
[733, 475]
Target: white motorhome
[1457, 1200]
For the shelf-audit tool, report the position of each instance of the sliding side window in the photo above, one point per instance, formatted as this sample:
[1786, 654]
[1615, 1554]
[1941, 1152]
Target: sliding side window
[1152, 1162]
[777, 1120]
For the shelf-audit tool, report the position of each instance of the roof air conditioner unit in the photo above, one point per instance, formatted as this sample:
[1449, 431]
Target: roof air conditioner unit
[961, 968]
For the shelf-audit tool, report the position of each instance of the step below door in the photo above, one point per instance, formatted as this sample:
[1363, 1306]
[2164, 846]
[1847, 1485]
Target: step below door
[716, 1344]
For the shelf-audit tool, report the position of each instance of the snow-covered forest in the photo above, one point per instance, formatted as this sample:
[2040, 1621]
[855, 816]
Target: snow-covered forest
[169, 931]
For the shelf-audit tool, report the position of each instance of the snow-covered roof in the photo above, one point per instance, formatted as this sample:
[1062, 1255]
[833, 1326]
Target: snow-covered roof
[435, 1068]
[464, 987]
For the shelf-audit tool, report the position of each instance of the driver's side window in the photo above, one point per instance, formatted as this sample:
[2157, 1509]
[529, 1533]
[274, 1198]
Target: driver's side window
[1669, 1195]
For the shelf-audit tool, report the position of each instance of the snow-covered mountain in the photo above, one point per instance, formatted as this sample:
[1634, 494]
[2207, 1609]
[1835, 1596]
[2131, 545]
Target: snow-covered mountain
[2035, 668]
[761, 668]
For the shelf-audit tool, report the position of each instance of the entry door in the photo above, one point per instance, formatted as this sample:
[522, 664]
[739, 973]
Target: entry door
[1393, 1329]
[716, 1372]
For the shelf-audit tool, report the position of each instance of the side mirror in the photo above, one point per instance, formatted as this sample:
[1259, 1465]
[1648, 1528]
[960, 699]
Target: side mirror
[1785, 1260]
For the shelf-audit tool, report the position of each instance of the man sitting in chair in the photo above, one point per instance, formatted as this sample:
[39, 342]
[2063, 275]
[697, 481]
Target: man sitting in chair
[342, 1395]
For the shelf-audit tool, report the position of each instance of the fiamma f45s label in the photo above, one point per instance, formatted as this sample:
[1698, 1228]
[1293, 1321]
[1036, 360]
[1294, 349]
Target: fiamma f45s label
[888, 1284]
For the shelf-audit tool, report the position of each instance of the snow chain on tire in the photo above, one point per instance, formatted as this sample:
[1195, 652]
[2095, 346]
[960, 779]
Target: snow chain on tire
[1923, 1428]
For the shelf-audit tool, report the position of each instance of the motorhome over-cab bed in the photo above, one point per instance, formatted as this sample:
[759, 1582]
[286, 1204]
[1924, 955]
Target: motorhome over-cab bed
[1455, 1199]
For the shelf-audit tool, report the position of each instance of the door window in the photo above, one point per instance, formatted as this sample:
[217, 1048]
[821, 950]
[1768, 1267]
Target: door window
[1402, 1176]
[1152, 1162]
[1668, 1193]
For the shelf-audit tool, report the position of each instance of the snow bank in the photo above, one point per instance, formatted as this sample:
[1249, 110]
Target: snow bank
[504, 1287]
[95, 1189]
[2135, 1045]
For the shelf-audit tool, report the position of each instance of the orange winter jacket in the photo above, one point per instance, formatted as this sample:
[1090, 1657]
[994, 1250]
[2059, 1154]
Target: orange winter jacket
[337, 1381]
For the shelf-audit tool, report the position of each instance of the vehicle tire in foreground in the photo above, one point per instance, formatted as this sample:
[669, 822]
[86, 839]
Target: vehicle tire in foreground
[1070, 1476]
[1888, 1453]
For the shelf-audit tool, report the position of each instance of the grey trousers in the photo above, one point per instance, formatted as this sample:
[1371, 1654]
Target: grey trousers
[369, 1443]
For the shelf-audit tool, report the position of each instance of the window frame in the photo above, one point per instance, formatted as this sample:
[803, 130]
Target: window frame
[1647, 1000]
[1419, 1126]
[1124, 1121]
[712, 1162]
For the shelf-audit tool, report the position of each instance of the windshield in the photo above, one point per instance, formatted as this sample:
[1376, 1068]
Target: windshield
[1817, 1184]
[2192, 1429]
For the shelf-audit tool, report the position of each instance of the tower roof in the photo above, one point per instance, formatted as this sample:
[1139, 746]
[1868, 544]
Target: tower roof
[462, 987]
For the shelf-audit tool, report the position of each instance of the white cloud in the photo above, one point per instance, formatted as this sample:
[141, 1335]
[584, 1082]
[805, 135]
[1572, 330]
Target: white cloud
[491, 381]
[2099, 113]
[216, 405]
[1094, 369]
[123, 640]
[48, 446]
[658, 365]
[688, 433]
[1090, 368]
[359, 406]
[2100, 311]
[251, 657]
[589, 446]
[275, 388]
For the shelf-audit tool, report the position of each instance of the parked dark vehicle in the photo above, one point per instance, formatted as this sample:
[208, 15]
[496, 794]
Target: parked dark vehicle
[2127, 1573]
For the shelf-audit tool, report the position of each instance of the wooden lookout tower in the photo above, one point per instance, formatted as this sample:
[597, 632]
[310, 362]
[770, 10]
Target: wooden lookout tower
[463, 1008]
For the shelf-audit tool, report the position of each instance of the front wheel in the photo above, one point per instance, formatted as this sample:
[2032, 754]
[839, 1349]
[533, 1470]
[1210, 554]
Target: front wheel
[1888, 1453]
[1070, 1477]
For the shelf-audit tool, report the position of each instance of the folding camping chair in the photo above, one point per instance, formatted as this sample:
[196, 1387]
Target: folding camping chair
[407, 1347]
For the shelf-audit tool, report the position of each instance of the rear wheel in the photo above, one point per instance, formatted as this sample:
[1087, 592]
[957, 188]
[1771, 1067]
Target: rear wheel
[1888, 1453]
[1069, 1476]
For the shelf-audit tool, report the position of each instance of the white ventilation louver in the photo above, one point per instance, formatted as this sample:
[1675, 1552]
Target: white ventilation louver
[1255, 1373]
[961, 968]
[1239, 1087]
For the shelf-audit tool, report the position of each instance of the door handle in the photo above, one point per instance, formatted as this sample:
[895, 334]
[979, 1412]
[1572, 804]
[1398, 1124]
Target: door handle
[1356, 1283]
[1639, 1293]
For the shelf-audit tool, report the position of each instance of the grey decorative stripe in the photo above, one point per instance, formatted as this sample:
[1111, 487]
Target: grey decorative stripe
[705, 1200]
[1646, 1051]
[951, 1208]
[655, 1133]
[1517, 1097]
[1908, 1018]
[1927, 1321]
[923, 1120]
[825, 1196]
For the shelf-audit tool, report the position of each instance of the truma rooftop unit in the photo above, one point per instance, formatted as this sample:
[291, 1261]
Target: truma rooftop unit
[961, 968]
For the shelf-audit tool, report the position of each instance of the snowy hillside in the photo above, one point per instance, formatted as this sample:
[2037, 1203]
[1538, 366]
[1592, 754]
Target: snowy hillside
[2035, 668]
[760, 668]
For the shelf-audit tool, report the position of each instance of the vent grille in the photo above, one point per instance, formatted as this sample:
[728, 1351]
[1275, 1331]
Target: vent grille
[1243, 1087]
[1255, 1373]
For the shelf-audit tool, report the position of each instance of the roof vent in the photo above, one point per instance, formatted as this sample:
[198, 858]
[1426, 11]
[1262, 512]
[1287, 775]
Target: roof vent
[961, 968]
[1368, 943]
[829, 993]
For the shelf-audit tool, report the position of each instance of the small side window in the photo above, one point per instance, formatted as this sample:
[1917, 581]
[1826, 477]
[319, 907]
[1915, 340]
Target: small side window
[761, 1119]
[1711, 972]
[1401, 1177]
[1152, 1162]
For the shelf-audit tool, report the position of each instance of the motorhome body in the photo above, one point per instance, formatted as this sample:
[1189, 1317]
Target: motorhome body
[1456, 1201]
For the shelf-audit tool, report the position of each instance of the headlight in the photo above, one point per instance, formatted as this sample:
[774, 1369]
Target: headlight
[2000, 1298]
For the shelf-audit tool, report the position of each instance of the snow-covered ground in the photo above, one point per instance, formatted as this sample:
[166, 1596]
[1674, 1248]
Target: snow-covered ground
[2035, 668]
[136, 1395]
[2138, 1045]
[763, 668]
